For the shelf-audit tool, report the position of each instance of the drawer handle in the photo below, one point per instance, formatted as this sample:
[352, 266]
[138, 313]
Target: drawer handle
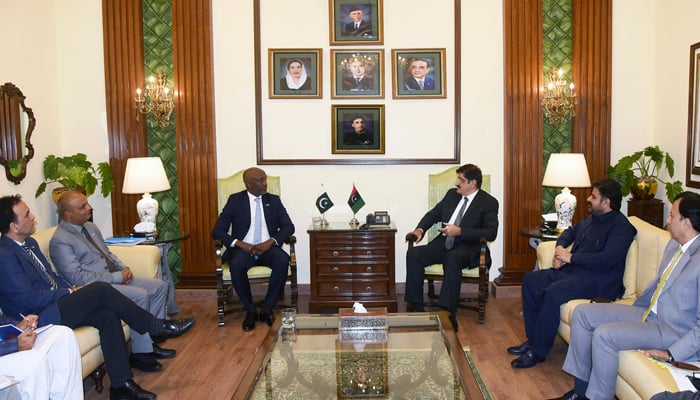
[336, 289]
[369, 252]
[369, 269]
[335, 269]
[368, 288]
[335, 253]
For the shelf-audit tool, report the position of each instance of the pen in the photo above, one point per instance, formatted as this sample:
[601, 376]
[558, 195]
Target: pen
[24, 317]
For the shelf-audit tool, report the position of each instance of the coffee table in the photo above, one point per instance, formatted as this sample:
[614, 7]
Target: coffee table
[419, 356]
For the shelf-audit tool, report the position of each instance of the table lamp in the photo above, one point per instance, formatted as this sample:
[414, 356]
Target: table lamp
[566, 170]
[145, 175]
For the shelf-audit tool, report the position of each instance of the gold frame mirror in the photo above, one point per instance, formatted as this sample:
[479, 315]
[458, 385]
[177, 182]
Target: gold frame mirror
[16, 126]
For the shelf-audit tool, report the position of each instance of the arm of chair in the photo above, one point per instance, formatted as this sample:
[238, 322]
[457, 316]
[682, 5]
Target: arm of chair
[411, 238]
[545, 254]
[291, 241]
[144, 260]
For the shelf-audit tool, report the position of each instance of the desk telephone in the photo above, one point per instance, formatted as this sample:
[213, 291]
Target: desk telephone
[376, 218]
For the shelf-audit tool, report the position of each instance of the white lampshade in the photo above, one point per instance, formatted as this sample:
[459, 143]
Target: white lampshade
[145, 175]
[566, 170]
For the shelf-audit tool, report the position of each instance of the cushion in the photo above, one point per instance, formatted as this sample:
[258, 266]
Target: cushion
[436, 269]
[258, 271]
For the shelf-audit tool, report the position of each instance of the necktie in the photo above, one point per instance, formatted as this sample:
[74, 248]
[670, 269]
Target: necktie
[420, 83]
[450, 241]
[357, 83]
[357, 26]
[257, 225]
[108, 259]
[40, 266]
[660, 285]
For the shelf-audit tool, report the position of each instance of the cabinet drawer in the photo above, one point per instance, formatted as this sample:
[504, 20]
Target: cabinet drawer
[370, 288]
[334, 289]
[337, 253]
[335, 269]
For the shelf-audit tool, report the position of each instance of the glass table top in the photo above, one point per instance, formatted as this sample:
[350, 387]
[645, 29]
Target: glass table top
[416, 358]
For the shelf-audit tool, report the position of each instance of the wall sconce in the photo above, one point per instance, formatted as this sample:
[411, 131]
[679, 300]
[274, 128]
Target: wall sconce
[558, 97]
[566, 170]
[157, 101]
[145, 175]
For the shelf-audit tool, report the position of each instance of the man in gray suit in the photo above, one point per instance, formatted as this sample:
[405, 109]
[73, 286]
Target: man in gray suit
[662, 323]
[78, 251]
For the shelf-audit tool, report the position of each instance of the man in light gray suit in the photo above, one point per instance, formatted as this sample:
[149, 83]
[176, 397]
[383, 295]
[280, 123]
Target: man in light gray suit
[78, 251]
[662, 323]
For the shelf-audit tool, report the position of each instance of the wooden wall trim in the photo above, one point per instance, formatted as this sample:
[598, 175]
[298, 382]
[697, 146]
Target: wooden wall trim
[196, 136]
[523, 76]
[123, 55]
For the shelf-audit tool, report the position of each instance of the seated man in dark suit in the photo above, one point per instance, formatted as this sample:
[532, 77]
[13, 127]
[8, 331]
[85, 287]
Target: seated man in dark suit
[29, 285]
[253, 225]
[78, 252]
[467, 214]
[592, 268]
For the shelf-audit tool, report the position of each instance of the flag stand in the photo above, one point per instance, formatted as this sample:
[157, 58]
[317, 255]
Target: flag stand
[324, 221]
[354, 223]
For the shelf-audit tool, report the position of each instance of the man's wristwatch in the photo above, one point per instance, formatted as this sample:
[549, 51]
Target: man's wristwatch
[670, 357]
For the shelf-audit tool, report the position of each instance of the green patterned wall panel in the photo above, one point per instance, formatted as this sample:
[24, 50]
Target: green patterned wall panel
[556, 44]
[158, 57]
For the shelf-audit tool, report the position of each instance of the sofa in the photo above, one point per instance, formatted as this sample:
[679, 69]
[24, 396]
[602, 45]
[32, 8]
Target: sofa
[144, 261]
[638, 377]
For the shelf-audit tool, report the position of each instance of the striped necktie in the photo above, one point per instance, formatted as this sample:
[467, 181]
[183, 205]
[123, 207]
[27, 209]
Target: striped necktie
[662, 280]
[40, 266]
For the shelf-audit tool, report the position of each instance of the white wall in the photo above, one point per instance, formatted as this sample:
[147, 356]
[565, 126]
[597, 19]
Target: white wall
[60, 68]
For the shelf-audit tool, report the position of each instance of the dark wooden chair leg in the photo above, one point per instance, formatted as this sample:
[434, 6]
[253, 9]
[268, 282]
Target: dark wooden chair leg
[97, 377]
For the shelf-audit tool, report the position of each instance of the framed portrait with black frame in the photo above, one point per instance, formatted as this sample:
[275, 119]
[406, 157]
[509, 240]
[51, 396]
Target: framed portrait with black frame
[357, 74]
[295, 73]
[357, 129]
[356, 22]
[418, 73]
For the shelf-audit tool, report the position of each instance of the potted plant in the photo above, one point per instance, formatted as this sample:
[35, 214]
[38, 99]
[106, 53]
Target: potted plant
[637, 173]
[75, 173]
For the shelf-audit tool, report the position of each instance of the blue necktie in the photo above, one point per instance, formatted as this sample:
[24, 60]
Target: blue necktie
[450, 241]
[357, 83]
[257, 224]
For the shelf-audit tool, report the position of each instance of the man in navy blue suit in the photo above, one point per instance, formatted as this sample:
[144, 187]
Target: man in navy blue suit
[467, 214]
[417, 77]
[253, 225]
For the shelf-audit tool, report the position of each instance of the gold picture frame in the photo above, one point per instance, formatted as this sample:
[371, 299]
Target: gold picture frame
[357, 129]
[295, 73]
[418, 73]
[355, 22]
[357, 74]
[692, 176]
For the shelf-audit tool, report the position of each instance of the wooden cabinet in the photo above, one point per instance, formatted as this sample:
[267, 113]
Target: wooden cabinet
[651, 210]
[349, 265]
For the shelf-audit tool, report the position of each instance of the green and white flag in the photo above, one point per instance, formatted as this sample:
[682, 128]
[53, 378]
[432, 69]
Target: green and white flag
[323, 202]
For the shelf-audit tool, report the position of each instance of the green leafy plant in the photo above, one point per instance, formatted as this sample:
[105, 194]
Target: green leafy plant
[75, 172]
[645, 164]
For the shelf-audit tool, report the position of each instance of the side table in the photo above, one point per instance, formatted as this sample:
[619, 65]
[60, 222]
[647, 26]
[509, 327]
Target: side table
[164, 241]
[349, 264]
[651, 210]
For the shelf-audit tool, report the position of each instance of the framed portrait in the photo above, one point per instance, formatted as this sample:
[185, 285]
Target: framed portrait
[356, 22]
[357, 74]
[692, 177]
[418, 73]
[295, 73]
[357, 129]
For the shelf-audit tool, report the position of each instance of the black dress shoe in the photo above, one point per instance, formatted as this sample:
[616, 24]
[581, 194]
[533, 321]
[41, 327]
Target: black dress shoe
[249, 321]
[172, 328]
[526, 360]
[571, 395]
[160, 353]
[518, 350]
[412, 307]
[130, 391]
[267, 317]
[144, 362]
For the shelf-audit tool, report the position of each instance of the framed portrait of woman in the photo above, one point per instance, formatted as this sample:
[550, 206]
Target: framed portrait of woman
[418, 73]
[295, 73]
[356, 22]
[357, 74]
[357, 129]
